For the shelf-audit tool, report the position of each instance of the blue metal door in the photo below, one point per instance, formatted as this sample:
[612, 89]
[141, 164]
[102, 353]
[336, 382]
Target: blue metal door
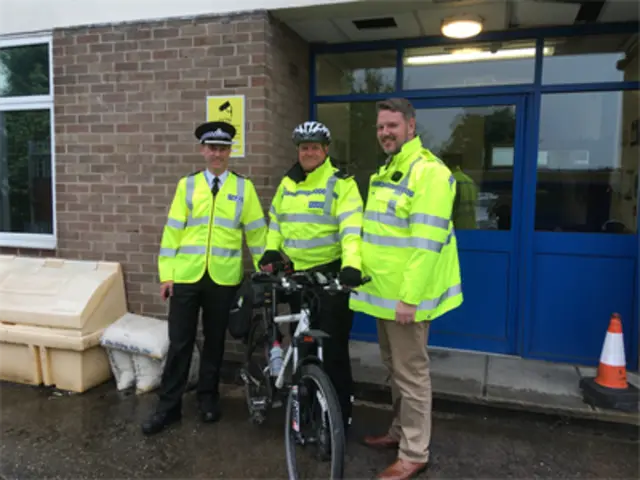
[482, 140]
[581, 207]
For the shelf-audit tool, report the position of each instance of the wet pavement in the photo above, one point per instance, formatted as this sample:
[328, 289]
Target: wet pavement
[97, 435]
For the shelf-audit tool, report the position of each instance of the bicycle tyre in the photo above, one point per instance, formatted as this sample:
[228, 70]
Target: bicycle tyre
[336, 426]
[256, 340]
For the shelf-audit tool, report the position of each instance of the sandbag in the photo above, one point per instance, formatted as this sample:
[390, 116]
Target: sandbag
[148, 371]
[138, 334]
[122, 367]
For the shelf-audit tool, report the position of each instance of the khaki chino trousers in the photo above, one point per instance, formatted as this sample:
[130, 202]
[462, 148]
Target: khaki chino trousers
[403, 349]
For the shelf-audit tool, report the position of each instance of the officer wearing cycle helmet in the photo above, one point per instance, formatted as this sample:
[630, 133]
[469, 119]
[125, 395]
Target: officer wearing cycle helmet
[315, 221]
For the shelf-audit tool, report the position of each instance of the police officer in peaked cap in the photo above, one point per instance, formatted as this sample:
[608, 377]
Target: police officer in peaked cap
[200, 266]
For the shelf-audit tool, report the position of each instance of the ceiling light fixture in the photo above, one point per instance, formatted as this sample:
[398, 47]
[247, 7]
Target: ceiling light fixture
[461, 27]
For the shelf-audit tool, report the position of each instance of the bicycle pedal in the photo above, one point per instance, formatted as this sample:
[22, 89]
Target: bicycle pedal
[259, 403]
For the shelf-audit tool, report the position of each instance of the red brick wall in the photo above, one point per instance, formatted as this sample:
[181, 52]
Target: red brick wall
[127, 99]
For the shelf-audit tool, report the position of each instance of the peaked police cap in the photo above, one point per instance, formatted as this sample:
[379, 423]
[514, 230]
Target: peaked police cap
[215, 133]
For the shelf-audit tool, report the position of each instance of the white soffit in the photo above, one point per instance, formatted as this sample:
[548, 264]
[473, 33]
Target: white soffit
[539, 13]
[318, 31]
[407, 26]
[620, 11]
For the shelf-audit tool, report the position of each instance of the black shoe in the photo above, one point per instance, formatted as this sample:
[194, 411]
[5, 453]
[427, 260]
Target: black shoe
[210, 413]
[159, 420]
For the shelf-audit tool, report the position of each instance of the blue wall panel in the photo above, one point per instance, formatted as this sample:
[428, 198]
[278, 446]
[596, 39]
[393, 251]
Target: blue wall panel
[481, 322]
[573, 299]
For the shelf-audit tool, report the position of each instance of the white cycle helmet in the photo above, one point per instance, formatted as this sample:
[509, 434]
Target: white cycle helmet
[311, 132]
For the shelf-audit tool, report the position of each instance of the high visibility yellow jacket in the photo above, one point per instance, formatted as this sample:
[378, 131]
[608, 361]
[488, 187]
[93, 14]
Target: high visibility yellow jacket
[409, 246]
[201, 235]
[464, 208]
[316, 218]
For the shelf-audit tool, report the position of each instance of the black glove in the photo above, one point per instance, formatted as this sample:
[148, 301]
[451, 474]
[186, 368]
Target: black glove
[350, 277]
[270, 256]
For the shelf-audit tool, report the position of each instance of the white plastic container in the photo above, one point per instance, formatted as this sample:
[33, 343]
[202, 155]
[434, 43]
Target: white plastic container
[52, 314]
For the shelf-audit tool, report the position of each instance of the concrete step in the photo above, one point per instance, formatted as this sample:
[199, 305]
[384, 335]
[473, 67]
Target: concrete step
[496, 381]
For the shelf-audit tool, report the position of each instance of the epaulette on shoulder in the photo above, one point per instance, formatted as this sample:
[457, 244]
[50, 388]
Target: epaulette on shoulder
[196, 172]
[238, 174]
[342, 174]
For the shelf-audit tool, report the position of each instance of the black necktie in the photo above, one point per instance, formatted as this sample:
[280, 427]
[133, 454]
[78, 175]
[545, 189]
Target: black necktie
[215, 187]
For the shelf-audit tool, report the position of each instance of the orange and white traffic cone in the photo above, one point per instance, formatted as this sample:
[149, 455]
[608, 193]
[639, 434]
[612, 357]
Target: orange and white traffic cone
[612, 370]
[610, 389]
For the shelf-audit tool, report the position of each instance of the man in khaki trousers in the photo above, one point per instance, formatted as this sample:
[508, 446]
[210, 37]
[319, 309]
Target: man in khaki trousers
[409, 250]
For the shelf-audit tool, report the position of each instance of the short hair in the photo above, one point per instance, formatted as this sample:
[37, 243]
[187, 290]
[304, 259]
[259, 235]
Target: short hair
[401, 105]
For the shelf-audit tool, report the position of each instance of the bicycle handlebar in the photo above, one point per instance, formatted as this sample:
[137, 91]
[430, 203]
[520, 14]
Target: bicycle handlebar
[329, 282]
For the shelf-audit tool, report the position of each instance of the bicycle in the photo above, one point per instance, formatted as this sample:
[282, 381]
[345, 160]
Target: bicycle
[265, 384]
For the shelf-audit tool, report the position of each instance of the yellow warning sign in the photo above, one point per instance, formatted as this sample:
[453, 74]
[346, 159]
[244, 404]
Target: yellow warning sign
[231, 109]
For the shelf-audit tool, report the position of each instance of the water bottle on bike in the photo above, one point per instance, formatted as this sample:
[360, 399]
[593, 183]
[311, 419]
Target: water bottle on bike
[275, 359]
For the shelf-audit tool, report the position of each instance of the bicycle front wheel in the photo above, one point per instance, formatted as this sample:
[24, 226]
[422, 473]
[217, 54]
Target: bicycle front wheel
[314, 431]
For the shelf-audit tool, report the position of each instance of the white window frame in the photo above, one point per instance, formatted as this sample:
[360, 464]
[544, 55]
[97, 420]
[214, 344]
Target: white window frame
[46, 241]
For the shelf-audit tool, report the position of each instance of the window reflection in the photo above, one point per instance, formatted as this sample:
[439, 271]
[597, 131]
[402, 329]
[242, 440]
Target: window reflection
[588, 163]
[25, 172]
[477, 144]
[601, 58]
[354, 146]
[482, 64]
[358, 72]
[24, 70]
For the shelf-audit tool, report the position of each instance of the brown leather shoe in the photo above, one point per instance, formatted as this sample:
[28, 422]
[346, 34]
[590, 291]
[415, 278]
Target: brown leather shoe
[402, 470]
[381, 441]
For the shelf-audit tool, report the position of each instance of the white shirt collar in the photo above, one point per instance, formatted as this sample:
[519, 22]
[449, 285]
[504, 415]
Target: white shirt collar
[210, 176]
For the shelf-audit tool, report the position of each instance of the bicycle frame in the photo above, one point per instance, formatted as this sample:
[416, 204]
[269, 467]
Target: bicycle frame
[304, 323]
[304, 327]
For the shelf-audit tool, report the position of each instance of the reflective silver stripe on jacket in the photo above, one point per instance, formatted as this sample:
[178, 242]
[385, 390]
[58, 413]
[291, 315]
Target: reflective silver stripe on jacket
[407, 242]
[184, 250]
[313, 242]
[343, 216]
[318, 191]
[425, 305]
[197, 250]
[390, 218]
[403, 186]
[350, 231]
[306, 218]
[328, 198]
[419, 218]
[325, 219]
[259, 223]
[172, 222]
[226, 252]
[224, 222]
[193, 222]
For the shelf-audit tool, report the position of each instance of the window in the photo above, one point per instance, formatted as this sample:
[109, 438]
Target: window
[588, 162]
[470, 65]
[27, 188]
[354, 145]
[602, 58]
[359, 72]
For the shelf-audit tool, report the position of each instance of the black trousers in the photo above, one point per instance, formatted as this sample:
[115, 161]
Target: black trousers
[184, 308]
[336, 319]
